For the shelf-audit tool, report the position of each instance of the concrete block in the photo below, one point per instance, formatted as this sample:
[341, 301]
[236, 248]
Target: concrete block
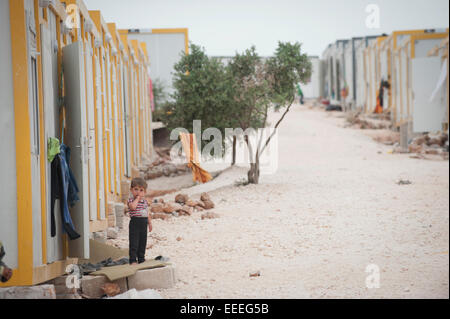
[57, 281]
[157, 278]
[112, 221]
[125, 189]
[120, 214]
[135, 172]
[111, 214]
[112, 233]
[91, 286]
[110, 208]
[34, 292]
[100, 236]
[63, 290]
[404, 137]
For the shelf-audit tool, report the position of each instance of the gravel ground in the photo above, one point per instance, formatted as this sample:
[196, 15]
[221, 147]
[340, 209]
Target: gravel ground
[311, 229]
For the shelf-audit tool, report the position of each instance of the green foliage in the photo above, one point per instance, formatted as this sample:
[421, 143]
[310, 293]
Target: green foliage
[203, 91]
[250, 89]
[285, 69]
[238, 95]
[159, 98]
[159, 94]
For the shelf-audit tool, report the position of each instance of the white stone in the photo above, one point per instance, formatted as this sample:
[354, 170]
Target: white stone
[156, 278]
[34, 292]
[120, 214]
[100, 236]
[112, 233]
[134, 294]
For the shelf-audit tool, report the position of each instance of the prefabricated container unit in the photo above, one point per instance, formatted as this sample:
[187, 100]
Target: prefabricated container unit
[340, 69]
[82, 130]
[373, 76]
[327, 58]
[360, 74]
[132, 129]
[62, 83]
[349, 69]
[32, 38]
[127, 113]
[313, 89]
[385, 67]
[165, 48]
[419, 75]
[391, 59]
[441, 51]
[351, 59]
[334, 78]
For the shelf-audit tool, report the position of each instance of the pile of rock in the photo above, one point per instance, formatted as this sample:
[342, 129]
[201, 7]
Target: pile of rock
[430, 144]
[387, 137]
[162, 166]
[182, 206]
[369, 122]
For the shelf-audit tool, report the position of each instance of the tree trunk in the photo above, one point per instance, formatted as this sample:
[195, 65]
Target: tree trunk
[234, 151]
[253, 173]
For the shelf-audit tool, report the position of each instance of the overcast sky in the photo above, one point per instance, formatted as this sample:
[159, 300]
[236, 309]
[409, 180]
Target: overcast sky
[224, 27]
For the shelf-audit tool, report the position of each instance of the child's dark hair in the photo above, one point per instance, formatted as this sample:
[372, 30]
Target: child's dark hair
[138, 182]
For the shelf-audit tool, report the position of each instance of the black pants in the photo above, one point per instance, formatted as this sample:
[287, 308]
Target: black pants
[138, 239]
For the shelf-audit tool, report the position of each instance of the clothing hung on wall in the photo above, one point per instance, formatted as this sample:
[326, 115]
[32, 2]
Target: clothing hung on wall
[63, 187]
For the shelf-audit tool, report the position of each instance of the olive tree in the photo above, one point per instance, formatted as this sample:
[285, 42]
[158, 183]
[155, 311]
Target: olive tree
[260, 86]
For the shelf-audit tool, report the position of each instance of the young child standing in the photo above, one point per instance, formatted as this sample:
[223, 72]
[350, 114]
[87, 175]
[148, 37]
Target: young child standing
[140, 220]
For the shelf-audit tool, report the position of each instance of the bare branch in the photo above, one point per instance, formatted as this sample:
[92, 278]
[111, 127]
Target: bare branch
[276, 126]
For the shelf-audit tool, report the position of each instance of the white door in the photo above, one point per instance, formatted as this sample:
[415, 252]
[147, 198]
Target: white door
[105, 117]
[91, 131]
[54, 244]
[133, 107]
[126, 122]
[77, 139]
[115, 119]
[404, 85]
[99, 109]
[110, 124]
[428, 114]
[397, 87]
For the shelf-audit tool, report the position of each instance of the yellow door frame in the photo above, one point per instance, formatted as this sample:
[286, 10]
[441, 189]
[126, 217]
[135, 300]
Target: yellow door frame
[23, 275]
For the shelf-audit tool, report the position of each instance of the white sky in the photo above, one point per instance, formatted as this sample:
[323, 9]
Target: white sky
[224, 27]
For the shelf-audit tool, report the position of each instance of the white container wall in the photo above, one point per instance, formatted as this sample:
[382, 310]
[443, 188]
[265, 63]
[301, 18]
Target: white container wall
[165, 48]
[313, 88]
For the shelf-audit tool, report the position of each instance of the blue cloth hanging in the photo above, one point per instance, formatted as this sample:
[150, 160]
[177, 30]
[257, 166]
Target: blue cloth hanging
[64, 187]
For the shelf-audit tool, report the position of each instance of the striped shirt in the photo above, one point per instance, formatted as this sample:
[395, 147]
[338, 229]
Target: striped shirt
[141, 209]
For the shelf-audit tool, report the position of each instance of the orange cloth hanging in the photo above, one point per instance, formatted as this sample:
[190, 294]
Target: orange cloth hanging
[190, 149]
[379, 107]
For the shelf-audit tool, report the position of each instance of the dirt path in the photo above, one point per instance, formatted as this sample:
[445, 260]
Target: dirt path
[333, 208]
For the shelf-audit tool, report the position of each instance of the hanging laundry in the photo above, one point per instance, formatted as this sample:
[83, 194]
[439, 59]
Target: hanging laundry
[190, 149]
[53, 148]
[380, 96]
[64, 188]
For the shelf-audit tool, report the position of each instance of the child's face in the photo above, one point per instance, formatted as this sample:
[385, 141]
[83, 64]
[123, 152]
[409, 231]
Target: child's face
[138, 191]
